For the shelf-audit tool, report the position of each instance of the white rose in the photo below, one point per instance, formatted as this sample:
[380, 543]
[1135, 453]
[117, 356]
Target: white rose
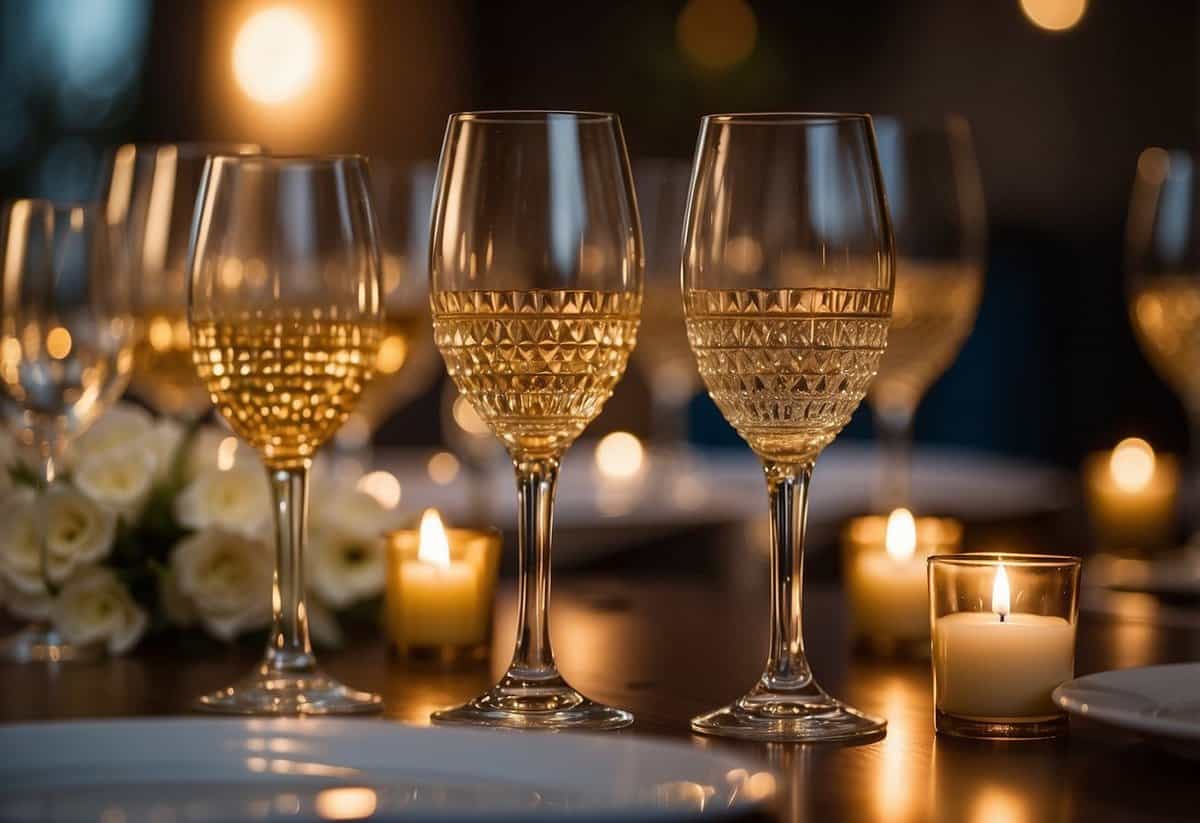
[78, 533]
[120, 479]
[164, 442]
[26, 605]
[238, 500]
[176, 606]
[322, 624]
[94, 607]
[226, 579]
[351, 510]
[204, 451]
[345, 566]
[120, 426]
[20, 544]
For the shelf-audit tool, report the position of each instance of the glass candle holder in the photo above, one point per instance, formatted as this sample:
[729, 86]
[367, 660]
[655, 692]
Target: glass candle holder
[1003, 638]
[884, 568]
[441, 586]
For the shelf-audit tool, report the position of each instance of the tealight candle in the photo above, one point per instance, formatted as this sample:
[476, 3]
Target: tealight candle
[440, 589]
[1131, 496]
[1003, 639]
[884, 570]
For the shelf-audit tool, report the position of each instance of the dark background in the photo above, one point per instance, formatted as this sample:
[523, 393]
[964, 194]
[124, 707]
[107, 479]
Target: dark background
[1052, 369]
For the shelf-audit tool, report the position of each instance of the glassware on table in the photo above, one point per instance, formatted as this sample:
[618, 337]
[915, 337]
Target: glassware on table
[787, 288]
[407, 362]
[285, 350]
[536, 269]
[939, 217]
[151, 195]
[65, 356]
[664, 358]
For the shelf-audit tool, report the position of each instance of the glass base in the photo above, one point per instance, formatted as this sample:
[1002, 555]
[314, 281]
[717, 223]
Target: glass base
[782, 718]
[534, 704]
[38, 643]
[268, 692]
[982, 728]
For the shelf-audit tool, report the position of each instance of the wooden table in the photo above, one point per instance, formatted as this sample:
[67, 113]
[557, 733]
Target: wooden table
[670, 646]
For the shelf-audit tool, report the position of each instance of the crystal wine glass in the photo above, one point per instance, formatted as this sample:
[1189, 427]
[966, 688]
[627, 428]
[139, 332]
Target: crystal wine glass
[1162, 253]
[536, 265]
[285, 318]
[65, 355]
[151, 195]
[788, 339]
[938, 214]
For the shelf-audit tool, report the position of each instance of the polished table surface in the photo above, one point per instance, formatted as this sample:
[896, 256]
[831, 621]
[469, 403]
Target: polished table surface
[669, 646]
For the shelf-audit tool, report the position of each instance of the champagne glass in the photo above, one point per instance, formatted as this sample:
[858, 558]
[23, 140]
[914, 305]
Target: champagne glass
[787, 278]
[151, 194]
[938, 214]
[285, 318]
[536, 264]
[1163, 276]
[664, 358]
[65, 355]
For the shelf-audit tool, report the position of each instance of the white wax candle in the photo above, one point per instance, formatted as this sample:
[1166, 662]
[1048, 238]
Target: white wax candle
[440, 606]
[888, 595]
[985, 667]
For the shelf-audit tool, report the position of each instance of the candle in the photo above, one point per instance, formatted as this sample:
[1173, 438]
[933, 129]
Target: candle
[441, 586]
[1131, 496]
[994, 666]
[884, 568]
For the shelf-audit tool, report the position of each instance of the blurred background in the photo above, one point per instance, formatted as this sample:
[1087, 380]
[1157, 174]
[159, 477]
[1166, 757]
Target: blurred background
[1062, 97]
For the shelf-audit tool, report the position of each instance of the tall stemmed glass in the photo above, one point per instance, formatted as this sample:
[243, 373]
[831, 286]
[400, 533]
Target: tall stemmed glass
[65, 355]
[787, 349]
[285, 317]
[536, 264]
[151, 195]
[937, 210]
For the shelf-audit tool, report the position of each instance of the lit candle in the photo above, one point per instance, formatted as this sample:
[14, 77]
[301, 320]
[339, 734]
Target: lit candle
[1131, 496]
[999, 666]
[440, 588]
[884, 567]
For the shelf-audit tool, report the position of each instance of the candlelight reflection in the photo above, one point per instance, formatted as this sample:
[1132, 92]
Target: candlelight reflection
[346, 803]
[998, 805]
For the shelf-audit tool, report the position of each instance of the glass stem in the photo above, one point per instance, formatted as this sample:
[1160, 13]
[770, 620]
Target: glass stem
[48, 458]
[787, 668]
[289, 649]
[533, 658]
[896, 435]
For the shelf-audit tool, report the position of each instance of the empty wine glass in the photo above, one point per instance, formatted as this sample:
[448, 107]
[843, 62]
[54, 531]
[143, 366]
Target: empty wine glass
[787, 288]
[151, 195]
[937, 209]
[65, 356]
[285, 318]
[536, 265]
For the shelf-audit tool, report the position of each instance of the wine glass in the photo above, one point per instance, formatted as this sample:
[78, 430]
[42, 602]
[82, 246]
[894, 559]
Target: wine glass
[536, 265]
[151, 193]
[285, 317]
[787, 278]
[65, 355]
[664, 358]
[938, 214]
[1162, 252]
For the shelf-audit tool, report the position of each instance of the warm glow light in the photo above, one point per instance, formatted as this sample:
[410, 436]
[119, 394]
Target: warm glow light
[1054, 15]
[227, 453]
[744, 255]
[901, 536]
[467, 418]
[717, 34]
[433, 547]
[1153, 165]
[275, 55]
[760, 786]
[58, 342]
[393, 353]
[443, 468]
[346, 803]
[160, 334]
[383, 486]
[1132, 464]
[1000, 595]
[619, 455]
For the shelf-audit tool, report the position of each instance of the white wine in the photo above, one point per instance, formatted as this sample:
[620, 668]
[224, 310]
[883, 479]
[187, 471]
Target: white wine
[1166, 315]
[537, 365]
[285, 380]
[787, 367]
[932, 313]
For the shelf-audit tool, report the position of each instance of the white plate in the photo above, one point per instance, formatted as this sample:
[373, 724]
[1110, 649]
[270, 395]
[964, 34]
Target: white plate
[1161, 702]
[217, 769]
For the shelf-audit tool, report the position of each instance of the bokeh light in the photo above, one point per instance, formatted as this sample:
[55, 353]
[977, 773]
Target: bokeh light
[1132, 464]
[717, 34]
[275, 55]
[619, 455]
[383, 486]
[1054, 15]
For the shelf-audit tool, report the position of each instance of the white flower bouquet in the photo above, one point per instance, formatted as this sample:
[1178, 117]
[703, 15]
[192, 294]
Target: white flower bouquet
[153, 527]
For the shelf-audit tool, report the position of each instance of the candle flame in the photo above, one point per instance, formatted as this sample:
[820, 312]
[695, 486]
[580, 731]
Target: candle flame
[1132, 464]
[1000, 594]
[433, 547]
[901, 537]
